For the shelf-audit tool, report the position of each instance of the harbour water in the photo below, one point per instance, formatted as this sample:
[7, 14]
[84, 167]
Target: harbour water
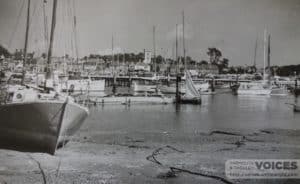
[222, 111]
[116, 141]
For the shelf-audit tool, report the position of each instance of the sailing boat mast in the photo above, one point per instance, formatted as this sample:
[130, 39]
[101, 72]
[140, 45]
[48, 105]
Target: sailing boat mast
[48, 69]
[26, 41]
[75, 34]
[45, 26]
[265, 35]
[177, 68]
[255, 53]
[154, 51]
[183, 42]
[269, 59]
[176, 49]
[114, 65]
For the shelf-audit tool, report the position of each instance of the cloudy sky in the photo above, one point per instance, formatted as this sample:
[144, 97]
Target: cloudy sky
[230, 25]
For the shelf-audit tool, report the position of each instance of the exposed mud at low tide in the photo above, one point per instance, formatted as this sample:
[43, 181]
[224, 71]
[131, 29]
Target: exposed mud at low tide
[100, 157]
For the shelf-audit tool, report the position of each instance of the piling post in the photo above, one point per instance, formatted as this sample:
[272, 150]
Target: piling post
[178, 79]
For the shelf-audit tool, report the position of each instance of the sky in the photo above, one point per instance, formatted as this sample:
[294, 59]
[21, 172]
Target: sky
[229, 25]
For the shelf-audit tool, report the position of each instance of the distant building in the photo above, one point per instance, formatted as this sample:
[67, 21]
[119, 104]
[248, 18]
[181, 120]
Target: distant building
[142, 67]
[204, 69]
[147, 57]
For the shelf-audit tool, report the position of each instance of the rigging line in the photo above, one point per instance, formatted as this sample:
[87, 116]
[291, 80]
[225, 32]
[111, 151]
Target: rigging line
[31, 26]
[68, 43]
[37, 35]
[64, 29]
[16, 25]
[59, 31]
[33, 13]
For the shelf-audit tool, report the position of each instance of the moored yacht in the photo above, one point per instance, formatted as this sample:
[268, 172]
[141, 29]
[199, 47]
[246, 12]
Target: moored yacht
[253, 88]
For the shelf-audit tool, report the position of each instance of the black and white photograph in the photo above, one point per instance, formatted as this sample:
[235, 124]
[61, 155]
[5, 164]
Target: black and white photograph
[149, 91]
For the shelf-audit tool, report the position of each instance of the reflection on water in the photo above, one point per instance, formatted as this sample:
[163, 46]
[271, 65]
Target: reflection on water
[223, 111]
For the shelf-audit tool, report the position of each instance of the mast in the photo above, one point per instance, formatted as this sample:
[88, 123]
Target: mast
[112, 50]
[178, 78]
[75, 34]
[114, 65]
[265, 35]
[183, 42]
[269, 58]
[176, 49]
[26, 41]
[255, 53]
[45, 25]
[154, 51]
[48, 69]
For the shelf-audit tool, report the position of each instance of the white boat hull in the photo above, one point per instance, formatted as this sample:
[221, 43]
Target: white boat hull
[171, 89]
[254, 88]
[254, 92]
[144, 88]
[133, 100]
[279, 92]
[73, 118]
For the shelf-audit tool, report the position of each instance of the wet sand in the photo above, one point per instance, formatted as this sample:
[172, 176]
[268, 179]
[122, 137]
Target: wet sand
[103, 157]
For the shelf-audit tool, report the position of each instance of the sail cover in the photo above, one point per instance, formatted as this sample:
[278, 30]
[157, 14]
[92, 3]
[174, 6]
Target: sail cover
[191, 91]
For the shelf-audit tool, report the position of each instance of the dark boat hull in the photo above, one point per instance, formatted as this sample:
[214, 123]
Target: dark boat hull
[297, 108]
[186, 100]
[31, 127]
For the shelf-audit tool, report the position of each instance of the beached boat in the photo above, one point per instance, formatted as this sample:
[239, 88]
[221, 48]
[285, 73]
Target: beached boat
[38, 119]
[34, 121]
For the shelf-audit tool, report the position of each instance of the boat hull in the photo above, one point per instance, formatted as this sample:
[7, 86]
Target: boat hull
[189, 100]
[31, 127]
[279, 92]
[73, 118]
[254, 92]
[133, 100]
[297, 108]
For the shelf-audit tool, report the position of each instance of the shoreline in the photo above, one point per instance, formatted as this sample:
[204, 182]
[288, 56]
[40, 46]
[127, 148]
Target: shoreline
[92, 157]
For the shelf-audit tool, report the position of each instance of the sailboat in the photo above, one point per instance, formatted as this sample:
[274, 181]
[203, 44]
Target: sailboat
[258, 87]
[192, 95]
[38, 119]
